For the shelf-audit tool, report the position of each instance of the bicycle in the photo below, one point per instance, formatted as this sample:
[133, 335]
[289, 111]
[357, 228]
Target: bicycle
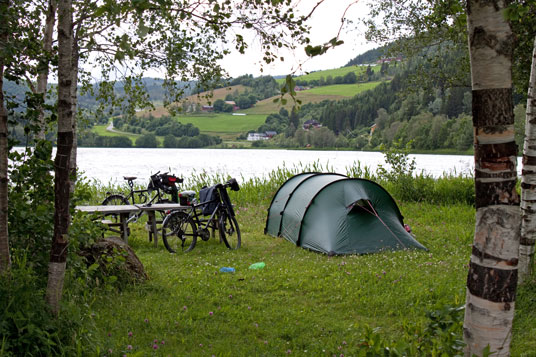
[158, 182]
[181, 228]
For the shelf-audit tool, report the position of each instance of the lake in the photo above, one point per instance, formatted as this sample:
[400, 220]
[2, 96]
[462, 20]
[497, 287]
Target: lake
[111, 164]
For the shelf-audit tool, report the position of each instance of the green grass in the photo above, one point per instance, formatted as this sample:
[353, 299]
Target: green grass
[301, 303]
[336, 72]
[101, 130]
[223, 122]
[346, 90]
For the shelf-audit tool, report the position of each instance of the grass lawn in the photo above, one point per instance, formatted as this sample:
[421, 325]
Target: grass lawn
[301, 303]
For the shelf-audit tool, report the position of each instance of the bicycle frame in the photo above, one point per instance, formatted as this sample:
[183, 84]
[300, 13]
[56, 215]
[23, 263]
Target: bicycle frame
[223, 203]
[187, 223]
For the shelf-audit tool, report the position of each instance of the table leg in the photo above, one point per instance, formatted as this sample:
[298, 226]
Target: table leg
[153, 231]
[124, 226]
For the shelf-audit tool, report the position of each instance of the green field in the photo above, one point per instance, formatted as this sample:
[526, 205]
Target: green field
[226, 126]
[101, 130]
[223, 122]
[346, 90]
[337, 72]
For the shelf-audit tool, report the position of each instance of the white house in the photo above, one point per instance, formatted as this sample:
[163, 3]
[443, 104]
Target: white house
[257, 136]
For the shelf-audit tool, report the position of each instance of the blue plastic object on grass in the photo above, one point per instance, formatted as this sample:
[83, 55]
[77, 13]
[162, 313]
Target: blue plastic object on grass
[227, 270]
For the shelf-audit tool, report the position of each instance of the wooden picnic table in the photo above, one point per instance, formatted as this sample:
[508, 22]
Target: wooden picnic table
[124, 212]
[151, 213]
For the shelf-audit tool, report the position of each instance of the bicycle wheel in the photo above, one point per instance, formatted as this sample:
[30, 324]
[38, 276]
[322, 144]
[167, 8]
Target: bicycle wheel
[229, 231]
[114, 200]
[179, 232]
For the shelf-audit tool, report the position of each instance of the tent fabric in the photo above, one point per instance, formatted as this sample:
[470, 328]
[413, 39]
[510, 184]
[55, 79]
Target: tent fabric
[333, 214]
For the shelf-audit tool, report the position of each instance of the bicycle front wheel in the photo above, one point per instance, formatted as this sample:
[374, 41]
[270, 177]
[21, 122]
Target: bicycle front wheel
[229, 231]
[179, 232]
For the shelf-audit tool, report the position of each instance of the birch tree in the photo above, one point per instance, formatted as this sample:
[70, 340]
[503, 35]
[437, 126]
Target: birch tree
[44, 66]
[492, 277]
[58, 253]
[5, 260]
[528, 181]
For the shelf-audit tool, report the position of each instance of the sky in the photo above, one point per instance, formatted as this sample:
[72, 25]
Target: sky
[325, 24]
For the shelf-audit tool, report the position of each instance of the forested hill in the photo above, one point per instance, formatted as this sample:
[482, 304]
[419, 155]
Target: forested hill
[368, 57]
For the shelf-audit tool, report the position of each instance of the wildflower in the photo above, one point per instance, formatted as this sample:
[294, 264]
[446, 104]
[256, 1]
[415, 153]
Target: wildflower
[210, 313]
[230, 296]
[109, 334]
[129, 333]
[184, 308]
[155, 341]
[289, 352]
[155, 347]
[200, 345]
[129, 347]
[163, 342]
[110, 351]
[146, 321]
[249, 307]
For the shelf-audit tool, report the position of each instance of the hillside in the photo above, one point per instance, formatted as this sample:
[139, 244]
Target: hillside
[204, 98]
[313, 95]
[336, 72]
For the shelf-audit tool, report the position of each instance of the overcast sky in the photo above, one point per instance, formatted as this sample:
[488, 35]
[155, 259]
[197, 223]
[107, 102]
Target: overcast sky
[325, 25]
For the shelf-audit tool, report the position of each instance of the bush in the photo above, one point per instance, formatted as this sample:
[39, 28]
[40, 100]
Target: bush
[27, 328]
[147, 141]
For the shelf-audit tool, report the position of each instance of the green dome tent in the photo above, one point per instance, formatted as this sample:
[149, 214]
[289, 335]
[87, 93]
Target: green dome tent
[333, 214]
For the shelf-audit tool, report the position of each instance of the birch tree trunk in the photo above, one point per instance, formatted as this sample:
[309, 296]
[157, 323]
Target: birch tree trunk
[74, 108]
[492, 278]
[528, 181]
[42, 77]
[58, 253]
[5, 260]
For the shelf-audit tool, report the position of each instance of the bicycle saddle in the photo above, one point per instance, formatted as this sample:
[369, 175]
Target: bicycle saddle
[129, 178]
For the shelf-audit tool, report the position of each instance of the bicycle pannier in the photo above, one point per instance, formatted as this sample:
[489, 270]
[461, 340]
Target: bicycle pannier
[208, 194]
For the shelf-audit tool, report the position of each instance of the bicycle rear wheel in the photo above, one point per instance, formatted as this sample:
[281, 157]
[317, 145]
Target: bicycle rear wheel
[114, 200]
[229, 231]
[179, 232]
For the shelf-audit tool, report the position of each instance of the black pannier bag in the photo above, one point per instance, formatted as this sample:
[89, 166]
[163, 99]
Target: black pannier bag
[208, 194]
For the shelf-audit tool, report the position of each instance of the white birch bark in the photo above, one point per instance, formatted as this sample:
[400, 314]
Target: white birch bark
[528, 181]
[492, 277]
[5, 260]
[42, 77]
[58, 252]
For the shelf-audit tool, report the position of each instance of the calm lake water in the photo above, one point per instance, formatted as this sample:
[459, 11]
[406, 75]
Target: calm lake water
[111, 164]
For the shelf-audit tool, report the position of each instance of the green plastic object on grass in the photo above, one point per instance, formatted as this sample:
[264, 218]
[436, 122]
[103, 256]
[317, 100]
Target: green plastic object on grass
[259, 265]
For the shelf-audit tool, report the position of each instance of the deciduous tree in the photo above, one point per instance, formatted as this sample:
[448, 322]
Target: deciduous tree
[528, 182]
[492, 277]
[58, 253]
[5, 261]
